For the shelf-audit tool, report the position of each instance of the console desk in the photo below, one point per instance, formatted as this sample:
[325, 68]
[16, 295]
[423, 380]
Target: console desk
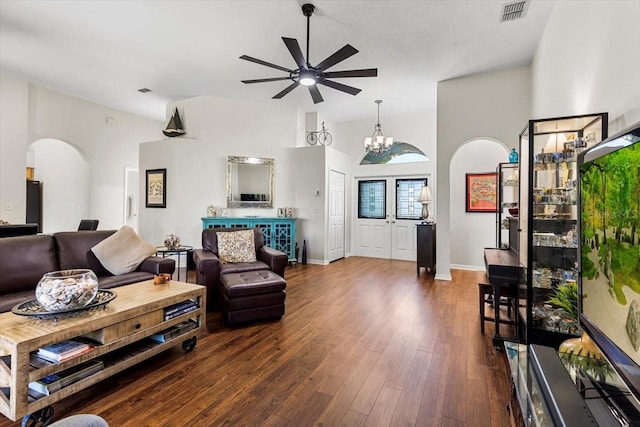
[279, 232]
[503, 270]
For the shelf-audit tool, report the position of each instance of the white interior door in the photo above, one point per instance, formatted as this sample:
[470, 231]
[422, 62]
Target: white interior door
[387, 215]
[336, 215]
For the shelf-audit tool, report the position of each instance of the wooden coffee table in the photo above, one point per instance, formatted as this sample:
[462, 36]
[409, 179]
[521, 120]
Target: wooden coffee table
[121, 331]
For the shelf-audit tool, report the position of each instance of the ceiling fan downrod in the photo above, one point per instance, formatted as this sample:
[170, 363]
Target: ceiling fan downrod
[307, 10]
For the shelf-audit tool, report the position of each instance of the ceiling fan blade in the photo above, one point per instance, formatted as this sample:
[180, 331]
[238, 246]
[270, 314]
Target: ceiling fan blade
[369, 72]
[342, 54]
[296, 52]
[315, 94]
[274, 79]
[267, 64]
[339, 86]
[286, 90]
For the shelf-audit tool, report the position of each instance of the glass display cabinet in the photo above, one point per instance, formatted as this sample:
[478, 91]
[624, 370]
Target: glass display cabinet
[548, 240]
[508, 200]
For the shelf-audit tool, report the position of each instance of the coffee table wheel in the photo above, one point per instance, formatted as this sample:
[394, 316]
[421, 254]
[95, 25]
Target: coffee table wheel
[40, 418]
[188, 345]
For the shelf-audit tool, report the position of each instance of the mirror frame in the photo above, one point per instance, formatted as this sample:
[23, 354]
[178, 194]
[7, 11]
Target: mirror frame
[237, 160]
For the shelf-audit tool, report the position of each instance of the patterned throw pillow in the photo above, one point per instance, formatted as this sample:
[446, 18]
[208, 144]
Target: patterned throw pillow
[236, 246]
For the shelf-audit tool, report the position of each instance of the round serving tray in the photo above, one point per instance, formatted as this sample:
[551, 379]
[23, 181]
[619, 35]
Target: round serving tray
[35, 309]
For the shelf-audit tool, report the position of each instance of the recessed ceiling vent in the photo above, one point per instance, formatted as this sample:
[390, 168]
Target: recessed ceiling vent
[514, 10]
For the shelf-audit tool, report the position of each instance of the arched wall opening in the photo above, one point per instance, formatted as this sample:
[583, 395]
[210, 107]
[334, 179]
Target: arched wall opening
[471, 232]
[63, 170]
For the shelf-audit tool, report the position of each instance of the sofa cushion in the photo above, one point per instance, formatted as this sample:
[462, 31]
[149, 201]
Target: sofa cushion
[123, 251]
[241, 267]
[8, 301]
[24, 260]
[236, 246]
[251, 283]
[74, 250]
[124, 279]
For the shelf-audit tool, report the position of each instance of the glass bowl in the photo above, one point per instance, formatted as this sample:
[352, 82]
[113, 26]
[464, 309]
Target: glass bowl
[66, 289]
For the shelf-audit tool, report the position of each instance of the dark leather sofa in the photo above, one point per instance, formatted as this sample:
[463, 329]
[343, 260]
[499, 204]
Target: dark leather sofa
[24, 259]
[209, 269]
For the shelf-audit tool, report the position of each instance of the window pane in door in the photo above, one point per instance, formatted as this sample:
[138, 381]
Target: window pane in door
[371, 199]
[407, 193]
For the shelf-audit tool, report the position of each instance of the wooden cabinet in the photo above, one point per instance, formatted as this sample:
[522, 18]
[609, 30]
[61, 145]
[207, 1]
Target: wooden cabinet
[426, 247]
[279, 233]
[121, 332]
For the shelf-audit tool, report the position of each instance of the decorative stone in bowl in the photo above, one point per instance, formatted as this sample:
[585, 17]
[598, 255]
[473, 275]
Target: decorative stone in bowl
[67, 289]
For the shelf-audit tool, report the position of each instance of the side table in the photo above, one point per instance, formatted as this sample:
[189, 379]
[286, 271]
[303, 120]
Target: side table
[187, 250]
[426, 246]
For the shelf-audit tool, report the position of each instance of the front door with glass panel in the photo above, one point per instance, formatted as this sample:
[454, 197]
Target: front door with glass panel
[388, 210]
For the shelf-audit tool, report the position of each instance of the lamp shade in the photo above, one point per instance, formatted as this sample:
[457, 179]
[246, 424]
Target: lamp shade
[425, 195]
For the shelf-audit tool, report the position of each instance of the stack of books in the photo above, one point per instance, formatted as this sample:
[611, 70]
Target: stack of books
[65, 350]
[174, 331]
[180, 308]
[55, 382]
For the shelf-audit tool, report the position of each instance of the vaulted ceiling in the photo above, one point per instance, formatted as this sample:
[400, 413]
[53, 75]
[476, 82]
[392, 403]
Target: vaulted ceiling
[104, 51]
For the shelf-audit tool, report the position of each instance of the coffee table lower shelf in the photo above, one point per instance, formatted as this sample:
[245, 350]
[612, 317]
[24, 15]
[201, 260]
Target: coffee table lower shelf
[122, 332]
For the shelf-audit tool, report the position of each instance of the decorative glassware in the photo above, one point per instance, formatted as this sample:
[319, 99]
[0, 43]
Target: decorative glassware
[513, 156]
[67, 289]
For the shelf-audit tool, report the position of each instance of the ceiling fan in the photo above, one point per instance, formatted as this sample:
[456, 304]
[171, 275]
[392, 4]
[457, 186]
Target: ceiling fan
[308, 75]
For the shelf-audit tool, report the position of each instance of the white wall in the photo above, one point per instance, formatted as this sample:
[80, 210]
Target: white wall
[14, 119]
[492, 106]
[196, 164]
[30, 113]
[472, 230]
[310, 168]
[109, 145]
[65, 195]
[588, 61]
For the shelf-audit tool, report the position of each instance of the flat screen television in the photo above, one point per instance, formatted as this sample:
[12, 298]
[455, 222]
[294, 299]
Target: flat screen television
[609, 230]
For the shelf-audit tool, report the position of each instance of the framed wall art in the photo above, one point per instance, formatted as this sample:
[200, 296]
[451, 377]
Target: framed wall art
[481, 192]
[156, 188]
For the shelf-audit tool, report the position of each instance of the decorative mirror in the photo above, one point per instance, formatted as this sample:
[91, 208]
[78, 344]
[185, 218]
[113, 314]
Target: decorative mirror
[250, 182]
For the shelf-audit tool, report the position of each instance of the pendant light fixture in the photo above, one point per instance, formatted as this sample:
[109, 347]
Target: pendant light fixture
[377, 143]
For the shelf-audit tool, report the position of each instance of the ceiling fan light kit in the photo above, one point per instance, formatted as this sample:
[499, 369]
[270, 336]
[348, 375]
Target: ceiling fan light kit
[308, 75]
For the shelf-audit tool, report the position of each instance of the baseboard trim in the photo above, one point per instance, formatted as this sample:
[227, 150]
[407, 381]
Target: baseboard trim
[467, 267]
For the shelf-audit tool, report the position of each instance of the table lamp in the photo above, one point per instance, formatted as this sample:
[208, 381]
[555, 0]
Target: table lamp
[425, 198]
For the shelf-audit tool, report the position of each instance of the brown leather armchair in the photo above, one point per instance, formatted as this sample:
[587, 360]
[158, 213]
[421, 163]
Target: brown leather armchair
[209, 269]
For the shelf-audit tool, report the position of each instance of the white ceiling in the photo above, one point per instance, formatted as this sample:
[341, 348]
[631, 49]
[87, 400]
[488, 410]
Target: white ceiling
[103, 51]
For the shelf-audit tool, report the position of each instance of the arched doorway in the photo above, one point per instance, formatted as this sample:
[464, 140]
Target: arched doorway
[63, 170]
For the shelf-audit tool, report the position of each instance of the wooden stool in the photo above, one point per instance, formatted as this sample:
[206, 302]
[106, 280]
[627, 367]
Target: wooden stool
[507, 298]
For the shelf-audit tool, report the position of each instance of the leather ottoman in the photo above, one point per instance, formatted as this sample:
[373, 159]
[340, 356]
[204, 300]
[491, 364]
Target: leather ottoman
[252, 295]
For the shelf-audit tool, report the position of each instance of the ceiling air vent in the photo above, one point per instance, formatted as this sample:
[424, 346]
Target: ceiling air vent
[514, 10]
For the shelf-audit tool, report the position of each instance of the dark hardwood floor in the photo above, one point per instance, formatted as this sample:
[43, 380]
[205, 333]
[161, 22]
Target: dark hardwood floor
[363, 342]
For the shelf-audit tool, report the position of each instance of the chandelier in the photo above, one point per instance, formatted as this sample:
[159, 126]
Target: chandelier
[377, 143]
[323, 137]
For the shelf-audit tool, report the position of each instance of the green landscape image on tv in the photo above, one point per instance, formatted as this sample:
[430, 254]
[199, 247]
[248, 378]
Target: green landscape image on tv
[610, 251]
